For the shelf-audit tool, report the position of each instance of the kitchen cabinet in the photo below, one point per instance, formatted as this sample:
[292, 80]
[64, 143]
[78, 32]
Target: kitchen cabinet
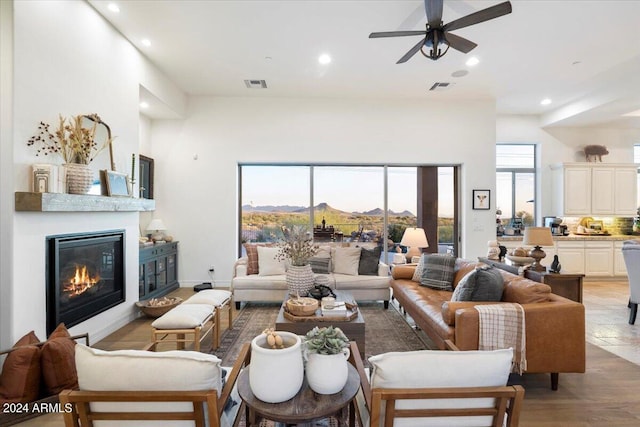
[619, 267]
[598, 258]
[158, 270]
[571, 257]
[582, 189]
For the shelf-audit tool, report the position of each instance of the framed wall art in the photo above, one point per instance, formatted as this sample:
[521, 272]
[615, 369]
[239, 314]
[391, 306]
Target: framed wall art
[146, 177]
[481, 199]
[117, 184]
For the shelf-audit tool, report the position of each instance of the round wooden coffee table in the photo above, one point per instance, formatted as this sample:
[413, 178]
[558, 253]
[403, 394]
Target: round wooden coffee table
[305, 407]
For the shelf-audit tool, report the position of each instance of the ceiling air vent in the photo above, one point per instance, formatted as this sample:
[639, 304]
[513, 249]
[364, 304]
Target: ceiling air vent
[440, 86]
[255, 84]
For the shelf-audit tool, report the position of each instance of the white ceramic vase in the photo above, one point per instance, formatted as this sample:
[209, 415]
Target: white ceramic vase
[327, 373]
[300, 279]
[276, 375]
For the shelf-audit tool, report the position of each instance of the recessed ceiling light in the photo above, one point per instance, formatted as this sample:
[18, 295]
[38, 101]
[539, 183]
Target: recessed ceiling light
[144, 105]
[545, 101]
[113, 7]
[146, 42]
[472, 61]
[324, 59]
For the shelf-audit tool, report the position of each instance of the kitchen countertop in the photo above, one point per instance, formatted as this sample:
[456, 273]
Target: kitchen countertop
[574, 237]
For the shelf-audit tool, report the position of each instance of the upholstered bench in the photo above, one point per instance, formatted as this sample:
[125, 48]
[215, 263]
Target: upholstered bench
[220, 300]
[193, 320]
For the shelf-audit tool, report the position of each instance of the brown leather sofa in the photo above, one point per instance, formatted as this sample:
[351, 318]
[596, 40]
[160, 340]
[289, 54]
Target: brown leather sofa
[555, 326]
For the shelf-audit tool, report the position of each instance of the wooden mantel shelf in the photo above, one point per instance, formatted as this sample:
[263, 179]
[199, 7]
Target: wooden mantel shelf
[55, 202]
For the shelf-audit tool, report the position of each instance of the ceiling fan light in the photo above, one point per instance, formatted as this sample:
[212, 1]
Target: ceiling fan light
[473, 61]
[545, 101]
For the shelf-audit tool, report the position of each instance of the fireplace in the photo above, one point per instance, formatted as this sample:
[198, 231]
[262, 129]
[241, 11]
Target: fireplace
[85, 276]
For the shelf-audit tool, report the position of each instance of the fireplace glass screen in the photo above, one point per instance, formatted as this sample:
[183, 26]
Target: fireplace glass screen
[85, 276]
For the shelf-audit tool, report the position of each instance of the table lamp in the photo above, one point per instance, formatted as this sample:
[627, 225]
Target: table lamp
[537, 236]
[156, 226]
[414, 239]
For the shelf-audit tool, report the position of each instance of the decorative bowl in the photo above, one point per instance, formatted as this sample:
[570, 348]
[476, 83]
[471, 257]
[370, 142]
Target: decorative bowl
[156, 307]
[304, 306]
[519, 261]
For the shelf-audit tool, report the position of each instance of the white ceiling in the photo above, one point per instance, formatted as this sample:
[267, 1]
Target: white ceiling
[584, 55]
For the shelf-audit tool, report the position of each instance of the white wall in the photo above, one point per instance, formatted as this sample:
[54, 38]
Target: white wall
[68, 60]
[197, 199]
[564, 144]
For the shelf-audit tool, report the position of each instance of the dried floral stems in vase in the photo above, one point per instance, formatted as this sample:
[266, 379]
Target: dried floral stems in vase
[71, 141]
[297, 246]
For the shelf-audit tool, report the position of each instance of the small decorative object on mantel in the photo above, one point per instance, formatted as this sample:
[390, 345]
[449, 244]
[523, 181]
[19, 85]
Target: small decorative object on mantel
[276, 372]
[555, 266]
[326, 351]
[75, 142]
[594, 153]
[297, 246]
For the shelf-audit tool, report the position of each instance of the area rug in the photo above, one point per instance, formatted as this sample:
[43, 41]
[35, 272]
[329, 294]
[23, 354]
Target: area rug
[385, 330]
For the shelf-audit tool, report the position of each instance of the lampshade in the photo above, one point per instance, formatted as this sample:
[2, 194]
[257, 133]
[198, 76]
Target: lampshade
[414, 237]
[156, 225]
[537, 236]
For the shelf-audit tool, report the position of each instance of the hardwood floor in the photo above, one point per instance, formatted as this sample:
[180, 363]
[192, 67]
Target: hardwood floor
[606, 395]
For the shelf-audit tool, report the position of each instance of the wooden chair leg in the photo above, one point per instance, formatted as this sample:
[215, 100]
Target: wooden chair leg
[633, 313]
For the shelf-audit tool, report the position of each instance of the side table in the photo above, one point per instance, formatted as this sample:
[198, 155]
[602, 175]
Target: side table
[305, 407]
[565, 285]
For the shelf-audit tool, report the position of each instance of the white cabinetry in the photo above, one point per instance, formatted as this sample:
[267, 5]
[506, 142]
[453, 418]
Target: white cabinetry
[619, 268]
[598, 258]
[571, 257]
[587, 189]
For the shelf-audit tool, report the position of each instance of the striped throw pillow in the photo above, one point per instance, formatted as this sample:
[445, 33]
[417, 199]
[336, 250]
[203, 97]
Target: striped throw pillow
[438, 271]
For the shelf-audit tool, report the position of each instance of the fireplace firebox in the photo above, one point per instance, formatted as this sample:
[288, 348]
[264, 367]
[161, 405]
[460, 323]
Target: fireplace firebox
[85, 276]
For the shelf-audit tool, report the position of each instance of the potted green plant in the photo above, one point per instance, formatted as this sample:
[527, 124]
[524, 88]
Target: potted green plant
[326, 351]
[297, 247]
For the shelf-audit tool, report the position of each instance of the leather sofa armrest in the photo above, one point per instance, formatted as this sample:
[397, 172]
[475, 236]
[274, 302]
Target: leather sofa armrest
[403, 271]
[449, 309]
[555, 335]
[383, 269]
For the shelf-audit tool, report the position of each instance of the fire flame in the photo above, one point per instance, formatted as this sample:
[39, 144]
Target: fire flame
[80, 282]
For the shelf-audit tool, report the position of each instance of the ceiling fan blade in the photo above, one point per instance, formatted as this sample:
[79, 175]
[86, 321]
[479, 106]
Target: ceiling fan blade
[397, 34]
[479, 16]
[460, 43]
[412, 52]
[433, 9]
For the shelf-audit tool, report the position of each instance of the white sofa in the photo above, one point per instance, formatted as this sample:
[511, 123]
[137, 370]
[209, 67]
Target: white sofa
[273, 287]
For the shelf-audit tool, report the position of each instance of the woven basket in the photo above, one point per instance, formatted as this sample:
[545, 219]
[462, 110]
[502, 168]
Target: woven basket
[157, 310]
[309, 308]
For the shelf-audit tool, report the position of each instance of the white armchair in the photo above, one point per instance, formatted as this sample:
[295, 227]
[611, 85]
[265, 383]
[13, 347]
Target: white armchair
[631, 254]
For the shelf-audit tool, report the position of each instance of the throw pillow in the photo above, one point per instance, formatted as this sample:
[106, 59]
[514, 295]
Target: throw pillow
[417, 273]
[369, 260]
[438, 271]
[320, 265]
[20, 377]
[481, 284]
[252, 256]
[346, 261]
[268, 262]
[58, 361]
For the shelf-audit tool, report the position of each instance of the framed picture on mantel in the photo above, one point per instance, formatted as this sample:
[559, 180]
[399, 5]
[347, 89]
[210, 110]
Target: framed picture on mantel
[146, 177]
[481, 199]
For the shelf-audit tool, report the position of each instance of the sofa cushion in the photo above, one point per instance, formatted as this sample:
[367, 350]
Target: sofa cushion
[145, 370]
[252, 256]
[524, 291]
[268, 262]
[346, 260]
[320, 264]
[57, 361]
[369, 260]
[20, 377]
[481, 284]
[462, 268]
[438, 271]
[438, 369]
[417, 273]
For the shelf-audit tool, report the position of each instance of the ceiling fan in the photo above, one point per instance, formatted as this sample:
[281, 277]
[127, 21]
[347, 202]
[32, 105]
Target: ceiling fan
[438, 36]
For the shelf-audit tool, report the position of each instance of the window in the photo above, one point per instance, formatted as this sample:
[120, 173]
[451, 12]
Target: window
[636, 159]
[516, 182]
[348, 203]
